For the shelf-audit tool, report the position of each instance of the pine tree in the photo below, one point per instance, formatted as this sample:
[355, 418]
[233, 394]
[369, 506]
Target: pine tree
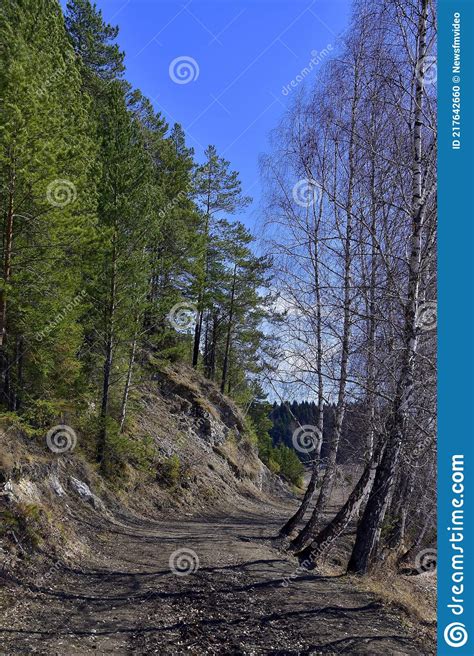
[218, 190]
[120, 289]
[47, 166]
[93, 42]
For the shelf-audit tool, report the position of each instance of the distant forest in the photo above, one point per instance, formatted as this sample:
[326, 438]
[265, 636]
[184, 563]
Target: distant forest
[286, 418]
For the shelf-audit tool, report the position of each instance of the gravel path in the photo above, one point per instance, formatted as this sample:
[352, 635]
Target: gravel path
[236, 595]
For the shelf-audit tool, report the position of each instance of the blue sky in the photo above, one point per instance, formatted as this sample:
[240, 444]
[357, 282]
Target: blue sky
[242, 54]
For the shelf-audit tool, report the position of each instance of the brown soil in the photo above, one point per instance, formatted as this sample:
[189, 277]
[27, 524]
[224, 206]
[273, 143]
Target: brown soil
[244, 598]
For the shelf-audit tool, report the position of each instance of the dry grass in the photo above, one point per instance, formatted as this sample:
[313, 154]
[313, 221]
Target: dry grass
[168, 417]
[415, 596]
[206, 392]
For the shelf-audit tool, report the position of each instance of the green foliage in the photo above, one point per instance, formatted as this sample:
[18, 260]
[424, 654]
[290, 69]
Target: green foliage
[23, 523]
[290, 465]
[121, 449]
[109, 223]
[279, 459]
[43, 414]
[47, 170]
[169, 471]
[273, 465]
[12, 421]
[251, 432]
[93, 41]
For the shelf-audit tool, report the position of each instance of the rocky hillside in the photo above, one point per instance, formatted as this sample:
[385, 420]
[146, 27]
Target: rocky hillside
[185, 452]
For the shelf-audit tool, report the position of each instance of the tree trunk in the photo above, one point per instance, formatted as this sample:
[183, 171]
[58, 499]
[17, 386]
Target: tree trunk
[126, 391]
[16, 382]
[207, 345]
[108, 359]
[225, 364]
[370, 527]
[329, 475]
[298, 516]
[200, 304]
[212, 363]
[7, 260]
[197, 336]
[371, 320]
[398, 511]
[368, 531]
[409, 553]
[333, 530]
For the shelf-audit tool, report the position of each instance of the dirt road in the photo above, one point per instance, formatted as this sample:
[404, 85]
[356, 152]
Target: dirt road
[234, 595]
